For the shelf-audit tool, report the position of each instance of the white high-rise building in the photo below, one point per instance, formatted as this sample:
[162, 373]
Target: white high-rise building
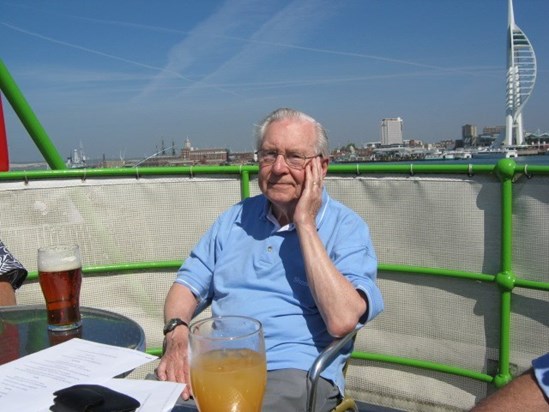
[391, 131]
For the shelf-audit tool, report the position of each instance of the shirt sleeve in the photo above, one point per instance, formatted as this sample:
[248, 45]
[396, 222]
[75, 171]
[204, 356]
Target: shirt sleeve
[541, 371]
[197, 271]
[11, 270]
[354, 256]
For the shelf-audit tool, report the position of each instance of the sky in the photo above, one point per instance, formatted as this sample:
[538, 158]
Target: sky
[119, 77]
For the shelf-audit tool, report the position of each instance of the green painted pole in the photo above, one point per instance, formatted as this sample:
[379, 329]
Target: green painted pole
[29, 119]
[244, 184]
[506, 278]
[122, 267]
[422, 364]
[507, 218]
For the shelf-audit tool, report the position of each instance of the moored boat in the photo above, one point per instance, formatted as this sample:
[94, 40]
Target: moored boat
[498, 153]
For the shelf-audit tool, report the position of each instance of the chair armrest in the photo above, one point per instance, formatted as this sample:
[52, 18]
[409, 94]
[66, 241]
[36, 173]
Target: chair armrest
[321, 362]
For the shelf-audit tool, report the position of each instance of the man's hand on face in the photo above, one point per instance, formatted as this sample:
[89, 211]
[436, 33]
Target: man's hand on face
[311, 195]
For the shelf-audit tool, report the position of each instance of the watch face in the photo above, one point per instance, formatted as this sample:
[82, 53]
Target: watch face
[172, 323]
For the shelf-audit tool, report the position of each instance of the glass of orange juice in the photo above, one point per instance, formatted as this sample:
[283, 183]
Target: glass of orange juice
[228, 365]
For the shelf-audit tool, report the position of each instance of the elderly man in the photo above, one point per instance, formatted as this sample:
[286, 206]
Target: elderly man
[12, 276]
[295, 259]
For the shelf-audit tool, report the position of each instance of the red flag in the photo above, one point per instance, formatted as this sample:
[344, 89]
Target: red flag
[4, 156]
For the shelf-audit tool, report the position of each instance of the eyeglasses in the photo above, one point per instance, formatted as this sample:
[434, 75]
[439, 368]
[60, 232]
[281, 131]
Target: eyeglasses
[293, 160]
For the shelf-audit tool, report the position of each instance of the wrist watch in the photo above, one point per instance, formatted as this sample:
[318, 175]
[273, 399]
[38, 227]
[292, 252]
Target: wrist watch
[174, 323]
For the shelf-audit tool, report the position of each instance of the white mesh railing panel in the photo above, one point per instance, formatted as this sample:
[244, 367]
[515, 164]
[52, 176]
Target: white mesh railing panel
[529, 325]
[113, 220]
[531, 228]
[433, 319]
[446, 222]
[412, 389]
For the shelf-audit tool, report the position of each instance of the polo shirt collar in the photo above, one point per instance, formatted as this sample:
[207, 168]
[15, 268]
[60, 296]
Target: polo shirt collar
[269, 215]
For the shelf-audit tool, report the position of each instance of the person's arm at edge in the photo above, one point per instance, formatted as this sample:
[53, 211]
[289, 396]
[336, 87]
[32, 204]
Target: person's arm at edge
[174, 366]
[522, 393]
[7, 294]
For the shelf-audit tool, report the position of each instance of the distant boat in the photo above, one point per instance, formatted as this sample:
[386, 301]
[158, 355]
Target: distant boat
[437, 155]
[77, 160]
[447, 155]
[492, 153]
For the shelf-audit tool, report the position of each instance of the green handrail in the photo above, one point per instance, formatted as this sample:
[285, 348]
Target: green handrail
[505, 280]
[29, 119]
[121, 267]
[422, 364]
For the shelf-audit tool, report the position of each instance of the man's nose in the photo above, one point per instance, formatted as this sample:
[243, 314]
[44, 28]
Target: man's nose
[279, 164]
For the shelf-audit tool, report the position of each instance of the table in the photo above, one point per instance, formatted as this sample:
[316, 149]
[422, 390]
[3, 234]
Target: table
[23, 330]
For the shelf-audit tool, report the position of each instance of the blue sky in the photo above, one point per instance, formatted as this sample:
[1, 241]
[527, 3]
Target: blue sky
[119, 76]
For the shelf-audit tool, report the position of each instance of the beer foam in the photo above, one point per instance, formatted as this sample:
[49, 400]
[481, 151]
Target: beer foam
[56, 264]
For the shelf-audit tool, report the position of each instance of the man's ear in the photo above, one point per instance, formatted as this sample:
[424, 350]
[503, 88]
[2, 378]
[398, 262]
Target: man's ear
[325, 163]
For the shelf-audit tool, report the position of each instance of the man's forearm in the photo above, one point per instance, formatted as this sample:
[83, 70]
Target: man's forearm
[180, 303]
[339, 303]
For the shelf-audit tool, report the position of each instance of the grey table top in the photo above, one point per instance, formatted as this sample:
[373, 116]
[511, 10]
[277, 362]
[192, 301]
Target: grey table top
[23, 330]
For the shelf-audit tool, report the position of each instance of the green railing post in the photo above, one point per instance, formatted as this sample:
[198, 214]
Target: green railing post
[244, 184]
[505, 280]
[29, 119]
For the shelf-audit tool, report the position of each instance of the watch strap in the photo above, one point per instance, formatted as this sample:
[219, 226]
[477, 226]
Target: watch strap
[174, 323]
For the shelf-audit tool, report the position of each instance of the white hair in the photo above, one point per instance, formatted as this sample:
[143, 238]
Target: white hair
[321, 145]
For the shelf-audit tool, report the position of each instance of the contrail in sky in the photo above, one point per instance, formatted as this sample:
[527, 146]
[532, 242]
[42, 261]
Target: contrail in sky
[286, 45]
[242, 39]
[75, 46]
[110, 56]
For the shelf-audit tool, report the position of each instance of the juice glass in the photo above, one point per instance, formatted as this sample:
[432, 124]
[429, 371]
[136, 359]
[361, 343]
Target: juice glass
[228, 366]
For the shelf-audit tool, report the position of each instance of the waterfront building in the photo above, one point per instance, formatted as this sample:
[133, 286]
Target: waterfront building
[391, 131]
[538, 139]
[493, 130]
[521, 77]
[242, 157]
[469, 135]
[203, 156]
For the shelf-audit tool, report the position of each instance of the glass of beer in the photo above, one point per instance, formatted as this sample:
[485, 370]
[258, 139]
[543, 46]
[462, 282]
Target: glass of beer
[60, 277]
[228, 365]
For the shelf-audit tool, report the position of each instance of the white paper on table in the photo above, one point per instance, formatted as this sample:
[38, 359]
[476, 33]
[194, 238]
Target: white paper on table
[154, 396]
[28, 383]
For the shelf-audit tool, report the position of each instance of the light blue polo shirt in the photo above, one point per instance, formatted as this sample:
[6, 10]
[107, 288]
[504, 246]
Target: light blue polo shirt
[246, 264]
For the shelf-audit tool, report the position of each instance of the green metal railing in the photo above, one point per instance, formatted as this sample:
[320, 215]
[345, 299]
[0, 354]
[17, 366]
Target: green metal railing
[28, 119]
[505, 280]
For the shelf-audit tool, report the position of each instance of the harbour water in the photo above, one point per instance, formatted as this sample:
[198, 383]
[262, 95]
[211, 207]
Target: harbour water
[533, 160]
